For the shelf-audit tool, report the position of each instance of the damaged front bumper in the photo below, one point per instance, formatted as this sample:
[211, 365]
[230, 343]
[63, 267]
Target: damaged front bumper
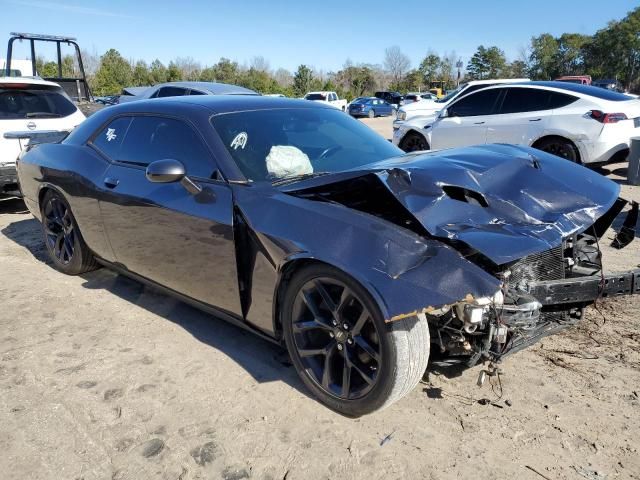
[541, 295]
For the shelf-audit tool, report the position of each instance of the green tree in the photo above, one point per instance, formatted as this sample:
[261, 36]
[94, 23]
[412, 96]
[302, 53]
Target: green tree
[173, 73]
[113, 74]
[157, 72]
[487, 63]
[544, 57]
[570, 55]
[302, 80]
[429, 68]
[518, 69]
[140, 74]
[226, 71]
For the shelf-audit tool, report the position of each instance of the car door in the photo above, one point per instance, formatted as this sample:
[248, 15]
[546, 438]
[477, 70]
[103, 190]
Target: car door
[386, 108]
[159, 230]
[522, 116]
[465, 122]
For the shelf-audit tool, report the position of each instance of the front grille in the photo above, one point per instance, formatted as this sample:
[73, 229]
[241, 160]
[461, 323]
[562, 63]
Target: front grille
[547, 265]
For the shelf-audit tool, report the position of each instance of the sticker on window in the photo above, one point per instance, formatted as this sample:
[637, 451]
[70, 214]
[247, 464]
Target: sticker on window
[240, 141]
[111, 134]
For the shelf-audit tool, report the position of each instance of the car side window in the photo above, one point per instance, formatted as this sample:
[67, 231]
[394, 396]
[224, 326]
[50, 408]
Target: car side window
[480, 103]
[519, 100]
[559, 100]
[196, 92]
[171, 92]
[110, 138]
[140, 140]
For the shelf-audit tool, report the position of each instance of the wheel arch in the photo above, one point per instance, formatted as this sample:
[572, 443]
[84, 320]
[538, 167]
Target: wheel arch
[42, 191]
[557, 136]
[414, 131]
[294, 264]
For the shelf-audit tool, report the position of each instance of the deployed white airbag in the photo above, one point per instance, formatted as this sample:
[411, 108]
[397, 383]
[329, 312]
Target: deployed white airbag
[285, 161]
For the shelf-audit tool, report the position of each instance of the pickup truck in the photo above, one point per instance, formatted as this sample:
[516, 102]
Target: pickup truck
[330, 98]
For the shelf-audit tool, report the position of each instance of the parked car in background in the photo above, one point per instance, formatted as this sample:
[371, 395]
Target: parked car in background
[30, 105]
[178, 89]
[580, 123]
[370, 107]
[393, 98]
[108, 100]
[328, 98]
[609, 84]
[579, 79]
[412, 97]
[430, 108]
[306, 227]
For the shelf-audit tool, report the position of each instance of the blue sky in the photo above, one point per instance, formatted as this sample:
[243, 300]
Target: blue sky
[289, 32]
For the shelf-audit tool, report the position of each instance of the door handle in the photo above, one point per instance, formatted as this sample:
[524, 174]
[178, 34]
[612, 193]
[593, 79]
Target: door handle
[535, 119]
[478, 123]
[111, 182]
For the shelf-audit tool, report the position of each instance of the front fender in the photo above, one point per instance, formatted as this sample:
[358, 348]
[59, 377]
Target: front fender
[404, 272]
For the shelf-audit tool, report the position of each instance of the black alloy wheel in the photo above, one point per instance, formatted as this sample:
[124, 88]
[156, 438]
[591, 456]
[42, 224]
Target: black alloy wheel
[63, 239]
[336, 339]
[560, 148]
[59, 230]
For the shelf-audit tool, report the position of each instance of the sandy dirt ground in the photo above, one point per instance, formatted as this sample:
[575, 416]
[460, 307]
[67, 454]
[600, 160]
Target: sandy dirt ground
[102, 378]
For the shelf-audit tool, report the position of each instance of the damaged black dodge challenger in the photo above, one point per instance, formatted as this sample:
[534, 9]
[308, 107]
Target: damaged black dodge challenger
[301, 224]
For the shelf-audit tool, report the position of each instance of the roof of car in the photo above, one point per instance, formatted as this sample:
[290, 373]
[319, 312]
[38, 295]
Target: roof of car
[218, 103]
[589, 90]
[28, 80]
[212, 87]
[498, 80]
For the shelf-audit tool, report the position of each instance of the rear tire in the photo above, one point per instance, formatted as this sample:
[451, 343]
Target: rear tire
[341, 347]
[559, 147]
[62, 238]
[371, 113]
[414, 142]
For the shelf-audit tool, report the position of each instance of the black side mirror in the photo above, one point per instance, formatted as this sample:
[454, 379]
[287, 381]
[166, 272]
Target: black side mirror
[165, 171]
[170, 171]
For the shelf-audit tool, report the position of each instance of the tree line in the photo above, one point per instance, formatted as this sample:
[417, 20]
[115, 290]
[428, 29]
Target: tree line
[611, 52]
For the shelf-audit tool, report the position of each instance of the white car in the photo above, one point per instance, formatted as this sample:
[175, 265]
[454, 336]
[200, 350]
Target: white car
[329, 98]
[583, 124]
[413, 97]
[30, 105]
[420, 109]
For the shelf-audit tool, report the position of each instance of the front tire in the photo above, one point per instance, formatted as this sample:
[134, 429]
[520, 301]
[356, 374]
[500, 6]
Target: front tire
[62, 237]
[414, 142]
[341, 347]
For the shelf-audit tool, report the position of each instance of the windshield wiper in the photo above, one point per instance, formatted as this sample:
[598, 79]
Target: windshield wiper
[297, 178]
[42, 115]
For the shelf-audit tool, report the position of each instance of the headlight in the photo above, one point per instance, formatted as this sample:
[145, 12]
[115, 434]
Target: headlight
[402, 116]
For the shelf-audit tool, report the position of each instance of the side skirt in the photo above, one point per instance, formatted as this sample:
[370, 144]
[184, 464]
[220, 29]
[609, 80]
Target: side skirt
[222, 314]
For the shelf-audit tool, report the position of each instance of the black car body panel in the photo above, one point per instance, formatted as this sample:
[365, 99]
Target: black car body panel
[420, 233]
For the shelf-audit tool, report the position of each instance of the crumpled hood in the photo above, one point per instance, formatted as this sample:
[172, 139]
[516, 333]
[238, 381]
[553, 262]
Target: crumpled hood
[504, 201]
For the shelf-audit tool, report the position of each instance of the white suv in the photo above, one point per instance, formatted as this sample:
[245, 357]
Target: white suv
[422, 109]
[580, 123]
[30, 104]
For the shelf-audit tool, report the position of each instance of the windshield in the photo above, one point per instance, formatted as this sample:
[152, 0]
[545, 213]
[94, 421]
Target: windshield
[361, 100]
[18, 103]
[451, 94]
[315, 96]
[271, 145]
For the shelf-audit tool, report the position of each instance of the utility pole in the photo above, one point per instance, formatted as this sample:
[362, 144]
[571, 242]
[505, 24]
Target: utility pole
[458, 66]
